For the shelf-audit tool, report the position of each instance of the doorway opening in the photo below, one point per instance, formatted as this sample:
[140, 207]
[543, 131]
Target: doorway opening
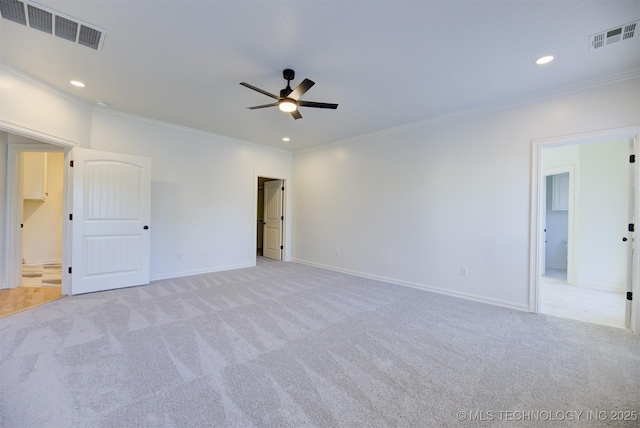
[42, 211]
[583, 198]
[270, 218]
[35, 229]
[557, 226]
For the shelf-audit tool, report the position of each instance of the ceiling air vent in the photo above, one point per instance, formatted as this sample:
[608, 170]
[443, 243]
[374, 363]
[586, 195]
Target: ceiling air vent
[605, 38]
[51, 22]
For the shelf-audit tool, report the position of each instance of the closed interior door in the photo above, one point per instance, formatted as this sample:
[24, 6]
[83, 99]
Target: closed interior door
[111, 212]
[272, 236]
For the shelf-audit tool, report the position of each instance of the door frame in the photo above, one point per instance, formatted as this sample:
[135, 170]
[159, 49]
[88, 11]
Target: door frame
[13, 247]
[572, 218]
[536, 233]
[286, 210]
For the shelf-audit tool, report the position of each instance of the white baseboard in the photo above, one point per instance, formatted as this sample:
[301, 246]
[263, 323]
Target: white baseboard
[42, 262]
[3, 285]
[200, 272]
[560, 266]
[425, 287]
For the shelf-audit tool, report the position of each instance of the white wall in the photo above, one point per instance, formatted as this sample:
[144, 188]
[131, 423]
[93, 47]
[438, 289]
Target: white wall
[203, 185]
[4, 138]
[416, 205]
[42, 232]
[604, 195]
[203, 201]
[29, 108]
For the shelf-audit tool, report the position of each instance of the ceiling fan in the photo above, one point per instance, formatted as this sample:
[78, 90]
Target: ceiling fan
[289, 99]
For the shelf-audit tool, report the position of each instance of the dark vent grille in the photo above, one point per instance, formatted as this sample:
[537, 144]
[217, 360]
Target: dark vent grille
[40, 19]
[598, 41]
[613, 35]
[13, 10]
[89, 37]
[629, 30]
[51, 22]
[66, 28]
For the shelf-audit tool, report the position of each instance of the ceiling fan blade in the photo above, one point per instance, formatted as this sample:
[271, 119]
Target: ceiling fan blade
[263, 106]
[301, 89]
[317, 105]
[259, 90]
[296, 114]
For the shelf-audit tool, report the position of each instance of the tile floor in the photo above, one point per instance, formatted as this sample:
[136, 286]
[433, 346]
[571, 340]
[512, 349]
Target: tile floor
[42, 276]
[569, 301]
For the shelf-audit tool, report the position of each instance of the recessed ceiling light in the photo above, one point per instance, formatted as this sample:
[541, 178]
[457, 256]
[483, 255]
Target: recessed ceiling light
[545, 59]
[286, 139]
[102, 103]
[77, 83]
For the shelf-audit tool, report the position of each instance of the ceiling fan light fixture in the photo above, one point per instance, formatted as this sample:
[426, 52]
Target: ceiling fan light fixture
[289, 99]
[287, 105]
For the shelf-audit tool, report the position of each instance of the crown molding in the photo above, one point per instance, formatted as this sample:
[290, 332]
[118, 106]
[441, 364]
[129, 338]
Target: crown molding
[635, 74]
[186, 129]
[4, 67]
[92, 109]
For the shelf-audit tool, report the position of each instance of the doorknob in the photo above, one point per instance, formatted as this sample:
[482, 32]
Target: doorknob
[145, 227]
[624, 239]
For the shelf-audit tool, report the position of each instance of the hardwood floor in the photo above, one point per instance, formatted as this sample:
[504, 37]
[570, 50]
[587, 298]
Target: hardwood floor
[19, 299]
[40, 284]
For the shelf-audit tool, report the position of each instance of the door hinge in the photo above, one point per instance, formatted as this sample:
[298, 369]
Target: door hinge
[71, 217]
[629, 295]
[632, 227]
[632, 158]
[71, 164]
[282, 247]
[283, 188]
[282, 217]
[69, 269]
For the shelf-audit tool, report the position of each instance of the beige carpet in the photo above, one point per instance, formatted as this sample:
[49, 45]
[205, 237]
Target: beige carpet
[287, 345]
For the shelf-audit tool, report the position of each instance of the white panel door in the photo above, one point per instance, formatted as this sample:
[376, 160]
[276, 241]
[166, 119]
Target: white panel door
[272, 237]
[111, 212]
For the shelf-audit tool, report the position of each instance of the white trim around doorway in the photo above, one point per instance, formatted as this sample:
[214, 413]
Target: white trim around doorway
[536, 235]
[286, 200]
[44, 143]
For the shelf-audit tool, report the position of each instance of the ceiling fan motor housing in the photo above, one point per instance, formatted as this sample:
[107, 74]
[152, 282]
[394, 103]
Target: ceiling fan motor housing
[288, 74]
[284, 93]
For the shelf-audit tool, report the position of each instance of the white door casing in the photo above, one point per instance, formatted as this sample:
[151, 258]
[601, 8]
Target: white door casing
[272, 236]
[111, 220]
[629, 237]
[536, 237]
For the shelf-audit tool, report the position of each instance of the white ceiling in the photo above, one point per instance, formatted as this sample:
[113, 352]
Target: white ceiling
[386, 63]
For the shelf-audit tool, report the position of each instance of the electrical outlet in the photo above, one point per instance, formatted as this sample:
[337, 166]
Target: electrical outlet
[464, 271]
